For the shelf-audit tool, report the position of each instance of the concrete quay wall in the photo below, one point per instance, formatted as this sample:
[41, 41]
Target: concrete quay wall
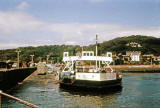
[11, 77]
[137, 68]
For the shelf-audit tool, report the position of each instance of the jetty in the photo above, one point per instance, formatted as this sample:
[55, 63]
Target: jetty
[11, 77]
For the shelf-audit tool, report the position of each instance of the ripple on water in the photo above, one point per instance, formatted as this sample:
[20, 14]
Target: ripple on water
[139, 91]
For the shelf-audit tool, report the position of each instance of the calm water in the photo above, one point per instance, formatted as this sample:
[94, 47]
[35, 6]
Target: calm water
[139, 91]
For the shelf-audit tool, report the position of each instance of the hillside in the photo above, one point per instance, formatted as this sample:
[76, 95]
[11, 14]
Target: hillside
[148, 45]
[145, 44]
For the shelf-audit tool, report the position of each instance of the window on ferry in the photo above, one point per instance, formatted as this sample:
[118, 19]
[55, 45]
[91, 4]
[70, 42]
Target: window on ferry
[65, 54]
[91, 54]
[109, 55]
[87, 54]
[66, 69]
[84, 54]
[79, 69]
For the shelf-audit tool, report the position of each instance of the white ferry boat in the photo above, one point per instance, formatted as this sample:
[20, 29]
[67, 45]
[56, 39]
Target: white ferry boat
[88, 71]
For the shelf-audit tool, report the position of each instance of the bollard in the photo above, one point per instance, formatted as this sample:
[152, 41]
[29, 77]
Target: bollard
[0, 99]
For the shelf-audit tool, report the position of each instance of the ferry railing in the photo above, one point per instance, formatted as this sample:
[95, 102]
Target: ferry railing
[16, 99]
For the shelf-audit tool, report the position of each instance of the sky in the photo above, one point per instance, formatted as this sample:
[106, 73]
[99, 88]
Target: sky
[75, 22]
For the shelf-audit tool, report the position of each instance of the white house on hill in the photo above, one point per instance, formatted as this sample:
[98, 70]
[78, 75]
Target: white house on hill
[135, 55]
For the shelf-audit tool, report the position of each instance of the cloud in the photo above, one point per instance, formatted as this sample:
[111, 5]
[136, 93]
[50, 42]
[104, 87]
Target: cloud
[85, 33]
[15, 23]
[71, 43]
[22, 6]
[9, 45]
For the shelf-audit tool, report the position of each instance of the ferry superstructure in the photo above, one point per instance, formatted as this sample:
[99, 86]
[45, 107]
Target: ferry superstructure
[88, 71]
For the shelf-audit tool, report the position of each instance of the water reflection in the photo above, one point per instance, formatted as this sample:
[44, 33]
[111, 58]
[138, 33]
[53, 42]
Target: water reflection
[91, 91]
[89, 99]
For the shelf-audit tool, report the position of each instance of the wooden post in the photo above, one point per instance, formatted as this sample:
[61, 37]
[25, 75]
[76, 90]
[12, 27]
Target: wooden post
[19, 100]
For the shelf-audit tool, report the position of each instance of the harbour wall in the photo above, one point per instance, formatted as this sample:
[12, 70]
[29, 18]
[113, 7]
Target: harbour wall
[137, 68]
[11, 77]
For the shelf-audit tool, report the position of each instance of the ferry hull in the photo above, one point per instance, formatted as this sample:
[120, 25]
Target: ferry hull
[91, 84]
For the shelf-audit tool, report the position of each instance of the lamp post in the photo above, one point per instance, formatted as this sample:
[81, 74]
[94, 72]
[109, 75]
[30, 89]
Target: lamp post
[32, 58]
[52, 62]
[18, 51]
[40, 59]
[47, 59]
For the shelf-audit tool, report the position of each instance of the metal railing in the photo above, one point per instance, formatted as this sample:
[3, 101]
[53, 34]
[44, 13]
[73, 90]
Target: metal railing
[16, 99]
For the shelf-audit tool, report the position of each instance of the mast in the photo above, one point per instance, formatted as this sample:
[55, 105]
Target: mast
[96, 49]
[82, 48]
